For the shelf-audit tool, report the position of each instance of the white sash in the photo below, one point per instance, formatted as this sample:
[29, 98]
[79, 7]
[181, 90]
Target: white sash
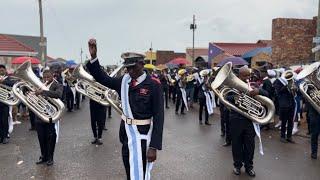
[10, 120]
[56, 124]
[134, 137]
[257, 129]
[184, 98]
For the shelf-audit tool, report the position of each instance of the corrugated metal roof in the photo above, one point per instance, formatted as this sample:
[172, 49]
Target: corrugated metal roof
[10, 44]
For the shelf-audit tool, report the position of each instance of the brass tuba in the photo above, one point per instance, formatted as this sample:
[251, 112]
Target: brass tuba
[310, 87]
[89, 87]
[6, 95]
[47, 109]
[259, 109]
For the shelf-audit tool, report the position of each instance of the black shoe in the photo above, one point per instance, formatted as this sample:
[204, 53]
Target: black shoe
[32, 129]
[200, 122]
[167, 107]
[236, 171]
[41, 160]
[222, 134]
[109, 117]
[207, 123]
[99, 142]
[50, 162]
[105, 129]
[94, 141]
[283, 140]
[251, 173]
[291, 141]
[182, 113]
[227, 144]
[177, 113]
[5, 141]
[314, 155]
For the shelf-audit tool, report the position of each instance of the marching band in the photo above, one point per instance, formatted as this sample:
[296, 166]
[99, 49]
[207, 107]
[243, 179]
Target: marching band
[139, 96]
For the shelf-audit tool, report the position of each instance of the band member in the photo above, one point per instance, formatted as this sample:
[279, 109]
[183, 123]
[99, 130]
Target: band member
[205, 99]
[98, 119]
[181, 79]
[287, 106]
[143, 117]
[164, 79]
[314, 118]
[4, 109]
[172, 86]
[243, 132]
[70, 91]
[47, 132]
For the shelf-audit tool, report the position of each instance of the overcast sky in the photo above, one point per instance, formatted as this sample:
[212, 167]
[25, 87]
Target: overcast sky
[131, 25]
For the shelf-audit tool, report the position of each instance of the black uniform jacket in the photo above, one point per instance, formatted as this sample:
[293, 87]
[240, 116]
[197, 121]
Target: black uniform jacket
[267, 85]
[236, 115]
[10, 83]
[285, 98]
[146, 101]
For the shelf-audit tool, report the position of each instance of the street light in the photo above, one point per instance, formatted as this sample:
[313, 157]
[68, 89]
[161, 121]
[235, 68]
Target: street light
[193, 27]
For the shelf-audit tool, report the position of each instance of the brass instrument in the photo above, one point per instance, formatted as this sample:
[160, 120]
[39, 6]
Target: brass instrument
[6, 95]
[310, 87]
[190, 78]
[68, 77]
[205, 74]
[259, 109]
[88, 86]
[47, 109]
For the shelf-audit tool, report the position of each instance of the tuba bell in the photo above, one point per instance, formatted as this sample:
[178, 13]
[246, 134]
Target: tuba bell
[89, 87]
[310, 87]
[47, 109]
[6, 95]
[259, 109]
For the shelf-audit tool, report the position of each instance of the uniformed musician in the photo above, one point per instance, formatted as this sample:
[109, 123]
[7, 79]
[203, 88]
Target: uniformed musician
[48, 132]
[142, 119]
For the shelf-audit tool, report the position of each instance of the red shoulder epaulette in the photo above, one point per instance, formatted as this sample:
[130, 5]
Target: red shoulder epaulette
[156, 80]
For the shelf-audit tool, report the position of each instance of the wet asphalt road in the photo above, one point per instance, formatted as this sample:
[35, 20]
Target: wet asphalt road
[190, 151]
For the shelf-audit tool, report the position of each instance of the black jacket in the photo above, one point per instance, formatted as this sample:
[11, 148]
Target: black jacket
[7, 82]
[285, 98]
[268, 86]
[146, 101]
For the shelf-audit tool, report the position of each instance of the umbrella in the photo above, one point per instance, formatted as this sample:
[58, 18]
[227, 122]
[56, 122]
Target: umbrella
[179, 61]
[20, 60]
[149, 66]
[162, 66]
[56, 63]
[71, 63]
[171, 66]
[235, 61]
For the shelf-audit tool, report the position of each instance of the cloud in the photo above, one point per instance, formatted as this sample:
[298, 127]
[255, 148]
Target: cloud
[132, 25]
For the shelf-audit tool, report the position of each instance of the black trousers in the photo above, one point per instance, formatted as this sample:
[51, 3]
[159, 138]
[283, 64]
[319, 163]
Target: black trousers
[179, 101]
[203, 106]
[70, 100]
[166, 94]
[4, 124]
[314, 142]
[125, 157]
[243, 144]
[98, 118]
[109, 111]
[174, 94]
[225, 122]
[32, 118]
[78, 95]
[286, 116]
[47, 139]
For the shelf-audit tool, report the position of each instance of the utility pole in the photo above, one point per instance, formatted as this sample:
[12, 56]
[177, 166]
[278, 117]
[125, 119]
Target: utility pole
[42, 41]
[193, 27]
[317, 54]
[81, 52]
[151, 53]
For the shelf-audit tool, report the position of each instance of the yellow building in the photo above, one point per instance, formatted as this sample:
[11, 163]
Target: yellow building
[150, 58]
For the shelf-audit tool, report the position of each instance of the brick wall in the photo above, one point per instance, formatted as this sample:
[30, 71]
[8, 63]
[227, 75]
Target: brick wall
[164, 57]
[292, 41]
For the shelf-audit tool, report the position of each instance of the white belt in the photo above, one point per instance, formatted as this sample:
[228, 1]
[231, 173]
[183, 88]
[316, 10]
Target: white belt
[130, 121]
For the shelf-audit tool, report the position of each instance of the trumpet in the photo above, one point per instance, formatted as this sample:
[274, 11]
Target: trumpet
[6, 95]
[87, 86]
[259, 109]
[310, 87]
[47, 109]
